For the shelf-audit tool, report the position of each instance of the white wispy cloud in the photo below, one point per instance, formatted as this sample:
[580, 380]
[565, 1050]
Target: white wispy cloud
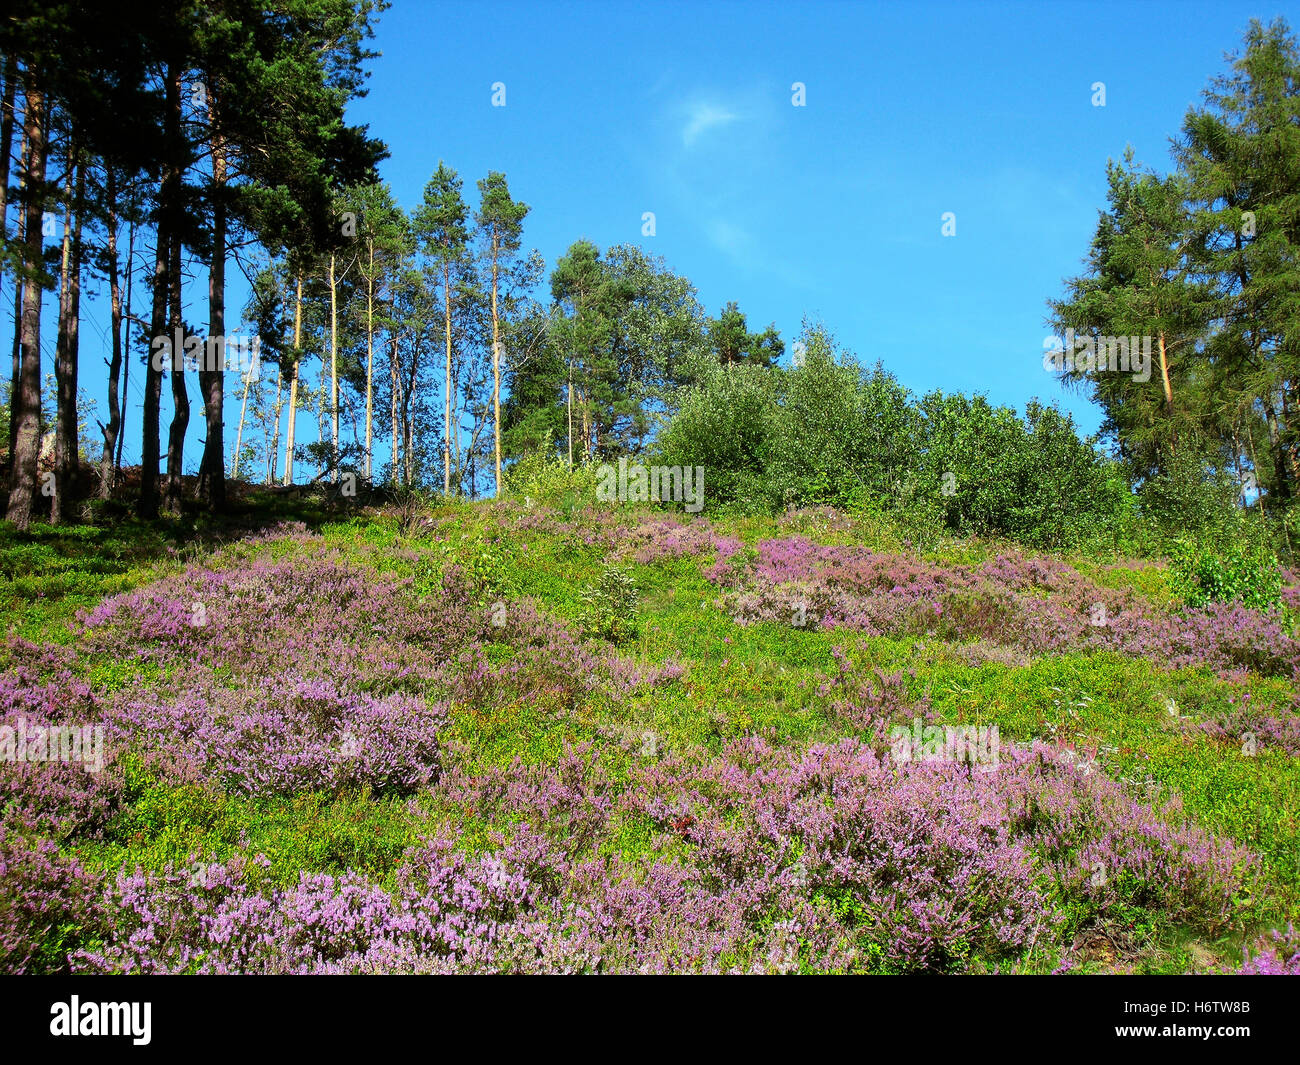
[702, 117]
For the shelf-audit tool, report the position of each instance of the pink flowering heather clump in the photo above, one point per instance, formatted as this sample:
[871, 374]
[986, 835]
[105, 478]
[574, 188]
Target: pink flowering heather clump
[1276, 954]
[1036, 604]
[830, 858]
[294, 734]
[307, 672]
[58, 796]
[45, 899]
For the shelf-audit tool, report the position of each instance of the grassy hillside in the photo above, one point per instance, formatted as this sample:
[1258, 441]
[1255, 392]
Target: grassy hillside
[506, 736]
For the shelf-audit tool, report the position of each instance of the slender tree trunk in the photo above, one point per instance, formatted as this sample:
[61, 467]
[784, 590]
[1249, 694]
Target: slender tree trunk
[322, 460]
[180, 397]
[212, 370]
[126, 361]
[293, 386]
[1169, 392]
[66, 456]
[275, 438]
[6, 142]
[496, 371]
[114, 426]
[569, 393]
[62, 471]
[459, 479]
[370, 361]
[585, 407]
[150, 449]
[397, 387]
[15, 378]
[239, 433]
[1280, 471]
[446, 435]
[26, 404]
[408, 393]
[334, 373]
[166, 321]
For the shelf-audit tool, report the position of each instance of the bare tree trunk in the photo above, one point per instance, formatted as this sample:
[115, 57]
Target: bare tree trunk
[149, 447]
[6, 142]
[293, 386]
[66, 449]
[370, 361]
[496, 372]
[16, 372]
[212, 378]
[334, 373]
[275, 438]
[239, 434]
[180, 397]
[396, 389]
[322, 462]
[126, 362]
[446, 317]
[114, 426]
[408, 411]
[1168, 387]
[26, 402]
[1280, 471]
[585, 406]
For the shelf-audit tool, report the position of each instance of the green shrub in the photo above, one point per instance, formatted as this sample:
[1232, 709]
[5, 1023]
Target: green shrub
[841, 432]
[723, 423]
[1250, 577]
[609, 608]
[542, 476]
[1189, 499]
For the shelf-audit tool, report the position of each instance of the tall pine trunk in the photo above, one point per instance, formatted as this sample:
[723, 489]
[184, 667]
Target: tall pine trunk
[334, 372]
[26, 402]
[15, 378]
[496, 370]
[278, 408]
[6, 142]
[180, 397]
[66, 464]
[157, 359]
[239, 433]
[126, 362]
[396, 389]
[446, 316]
[293, 386]
[114, 426]
[370, 360]
[212, 369]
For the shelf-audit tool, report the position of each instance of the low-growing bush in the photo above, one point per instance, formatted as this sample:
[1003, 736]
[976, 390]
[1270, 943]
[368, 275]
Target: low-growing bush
[609, 608]
[1203, 576]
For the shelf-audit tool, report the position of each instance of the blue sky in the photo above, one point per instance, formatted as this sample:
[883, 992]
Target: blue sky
[833, 209]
